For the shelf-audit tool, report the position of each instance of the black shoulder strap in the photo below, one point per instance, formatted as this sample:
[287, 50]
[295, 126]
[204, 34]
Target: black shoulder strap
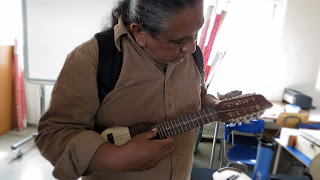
[110, 63]
[198, 59]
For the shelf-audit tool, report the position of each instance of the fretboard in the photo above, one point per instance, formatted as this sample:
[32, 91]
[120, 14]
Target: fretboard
[186, 122]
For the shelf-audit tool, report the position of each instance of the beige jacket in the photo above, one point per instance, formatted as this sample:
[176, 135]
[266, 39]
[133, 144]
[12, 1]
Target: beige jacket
[143, 93]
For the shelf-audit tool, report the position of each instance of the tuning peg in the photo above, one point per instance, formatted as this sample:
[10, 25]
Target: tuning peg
[246, 121]
[232, 124]
[238, 122]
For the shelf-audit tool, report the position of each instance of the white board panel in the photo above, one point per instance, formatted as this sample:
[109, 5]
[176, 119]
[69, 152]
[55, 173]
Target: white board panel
[53, 28]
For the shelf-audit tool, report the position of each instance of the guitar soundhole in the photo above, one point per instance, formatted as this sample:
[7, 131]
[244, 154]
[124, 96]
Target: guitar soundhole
[110, 138]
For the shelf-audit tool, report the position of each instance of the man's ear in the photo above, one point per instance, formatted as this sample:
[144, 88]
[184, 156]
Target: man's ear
[139, 34]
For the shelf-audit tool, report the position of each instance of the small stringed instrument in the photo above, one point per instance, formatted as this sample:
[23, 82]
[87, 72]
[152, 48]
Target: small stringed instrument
[230, 173]
[231, 110]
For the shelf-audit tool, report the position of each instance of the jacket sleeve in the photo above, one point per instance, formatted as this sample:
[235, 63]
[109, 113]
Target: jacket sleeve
[65, 135]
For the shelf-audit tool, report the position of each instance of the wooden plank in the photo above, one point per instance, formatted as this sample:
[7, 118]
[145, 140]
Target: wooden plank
[6, 88]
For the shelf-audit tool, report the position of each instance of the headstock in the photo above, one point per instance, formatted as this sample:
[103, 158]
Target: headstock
[242, 108]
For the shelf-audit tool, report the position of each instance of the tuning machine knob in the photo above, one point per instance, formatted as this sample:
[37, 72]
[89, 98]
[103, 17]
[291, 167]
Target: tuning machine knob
[246, 121]
[238, 121]
[232, 124]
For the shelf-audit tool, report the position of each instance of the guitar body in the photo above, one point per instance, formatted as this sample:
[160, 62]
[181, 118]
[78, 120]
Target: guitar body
[117, 135]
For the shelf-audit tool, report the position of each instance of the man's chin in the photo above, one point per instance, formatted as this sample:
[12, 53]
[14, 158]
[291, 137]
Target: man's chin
[175, 62]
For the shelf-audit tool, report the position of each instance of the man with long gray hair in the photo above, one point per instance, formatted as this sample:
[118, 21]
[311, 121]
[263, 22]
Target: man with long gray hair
[159, 81]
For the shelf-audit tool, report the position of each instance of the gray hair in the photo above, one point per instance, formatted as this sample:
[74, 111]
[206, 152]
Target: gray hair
[152, 15]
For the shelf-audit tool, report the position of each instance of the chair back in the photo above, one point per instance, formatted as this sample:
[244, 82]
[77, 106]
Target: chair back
[256, 126]
[291, 120]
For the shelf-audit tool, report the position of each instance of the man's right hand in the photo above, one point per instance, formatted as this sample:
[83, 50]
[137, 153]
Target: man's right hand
[142, 152]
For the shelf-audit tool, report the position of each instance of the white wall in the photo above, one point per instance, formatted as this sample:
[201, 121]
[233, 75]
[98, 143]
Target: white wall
[268, 64]
[301, 46]
[10, 21]
[55, 28]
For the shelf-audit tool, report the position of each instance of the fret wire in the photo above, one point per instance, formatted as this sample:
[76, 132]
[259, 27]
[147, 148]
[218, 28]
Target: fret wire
[201, 117]
[197, 118]
[173, 127]
[169, 129]
[188, 120]
[159, 131]
[179, 124]
[214, 113]
[207, 115]
[192, 119]
[185, 121]
[164, 130]
[175, 121]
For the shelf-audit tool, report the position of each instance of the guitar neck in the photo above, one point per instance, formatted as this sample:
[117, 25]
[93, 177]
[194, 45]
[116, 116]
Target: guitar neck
[178, 125]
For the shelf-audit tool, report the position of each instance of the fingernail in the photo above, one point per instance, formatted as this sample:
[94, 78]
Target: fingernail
[154, 129]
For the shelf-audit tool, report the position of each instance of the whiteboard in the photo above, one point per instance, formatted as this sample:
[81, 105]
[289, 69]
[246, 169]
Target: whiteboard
[53, 28]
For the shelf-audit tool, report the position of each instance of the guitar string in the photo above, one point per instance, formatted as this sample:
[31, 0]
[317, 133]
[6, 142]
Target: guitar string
[211, 114]
[188, 121]
[123, 136]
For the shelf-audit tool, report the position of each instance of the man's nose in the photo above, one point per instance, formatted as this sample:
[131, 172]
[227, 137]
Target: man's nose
[190, 46]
